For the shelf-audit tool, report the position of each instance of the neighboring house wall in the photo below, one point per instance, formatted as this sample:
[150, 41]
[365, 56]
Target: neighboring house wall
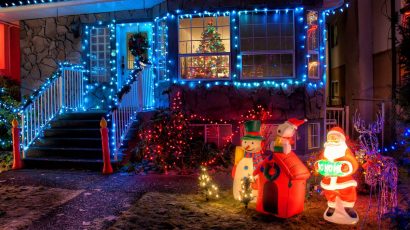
[46, 42]
[363, 56]
[10, 51]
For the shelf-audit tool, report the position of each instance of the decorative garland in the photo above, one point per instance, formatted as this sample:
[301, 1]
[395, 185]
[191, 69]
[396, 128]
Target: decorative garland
[267, 174]
[138, 45]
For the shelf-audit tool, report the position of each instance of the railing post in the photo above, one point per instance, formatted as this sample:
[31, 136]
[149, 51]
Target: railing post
[17, 163]
[107, 169]
[347, 116]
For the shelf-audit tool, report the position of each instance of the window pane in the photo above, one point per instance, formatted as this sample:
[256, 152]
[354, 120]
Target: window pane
[197, 33]
[184, 23]
[247, 44]
[246, 31]
[259, 31]
[185, 34]
[223, 21]
[205, 67]
[198, 22]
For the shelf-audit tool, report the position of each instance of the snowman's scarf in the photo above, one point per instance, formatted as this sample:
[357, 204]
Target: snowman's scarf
[256, 158]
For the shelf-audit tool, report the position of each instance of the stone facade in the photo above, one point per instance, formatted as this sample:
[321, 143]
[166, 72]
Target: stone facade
[229, 103]
[46, 42]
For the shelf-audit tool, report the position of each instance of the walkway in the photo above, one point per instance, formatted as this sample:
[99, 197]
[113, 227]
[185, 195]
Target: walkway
[101, 197]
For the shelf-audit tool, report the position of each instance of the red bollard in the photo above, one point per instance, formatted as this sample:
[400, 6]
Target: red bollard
[107, 169]
[17, 163]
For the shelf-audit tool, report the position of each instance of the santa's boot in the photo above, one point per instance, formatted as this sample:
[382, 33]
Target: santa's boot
[351, 212]
[340, 214]
[330, 211]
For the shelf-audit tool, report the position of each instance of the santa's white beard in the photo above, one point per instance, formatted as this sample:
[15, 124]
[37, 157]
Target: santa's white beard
[334, 151]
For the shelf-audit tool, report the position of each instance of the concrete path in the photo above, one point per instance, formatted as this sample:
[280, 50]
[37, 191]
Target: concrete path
[102, 197]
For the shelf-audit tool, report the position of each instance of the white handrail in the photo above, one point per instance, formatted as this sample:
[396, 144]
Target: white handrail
[138, 98]
[62, 92]
[337, 116]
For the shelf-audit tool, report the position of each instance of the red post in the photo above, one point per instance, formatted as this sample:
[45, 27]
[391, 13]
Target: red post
[17, 163]
[107, 169]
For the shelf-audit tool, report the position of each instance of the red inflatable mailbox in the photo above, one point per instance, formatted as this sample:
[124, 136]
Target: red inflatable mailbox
[282, 185]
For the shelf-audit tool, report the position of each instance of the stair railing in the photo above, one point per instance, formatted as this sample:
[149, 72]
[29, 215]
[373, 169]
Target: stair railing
[62, 92]
[131, 99]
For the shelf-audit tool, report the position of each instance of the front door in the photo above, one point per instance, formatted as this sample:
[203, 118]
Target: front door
[125, 59]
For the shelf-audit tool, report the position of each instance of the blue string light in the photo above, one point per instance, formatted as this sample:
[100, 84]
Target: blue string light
[244, 83]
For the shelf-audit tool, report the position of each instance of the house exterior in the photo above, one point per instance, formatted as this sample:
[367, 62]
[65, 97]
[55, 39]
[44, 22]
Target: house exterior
[225, 57]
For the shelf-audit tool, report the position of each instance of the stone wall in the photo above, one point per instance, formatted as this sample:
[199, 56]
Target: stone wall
[46, 42]
[229, 103]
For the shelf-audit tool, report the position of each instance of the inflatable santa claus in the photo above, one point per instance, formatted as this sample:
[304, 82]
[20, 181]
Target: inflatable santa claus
[337, 164]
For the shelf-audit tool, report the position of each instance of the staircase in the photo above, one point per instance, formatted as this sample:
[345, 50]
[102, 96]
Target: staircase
[71, 139]
[55, 134]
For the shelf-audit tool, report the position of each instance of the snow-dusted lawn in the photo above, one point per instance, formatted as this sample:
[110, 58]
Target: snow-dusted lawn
[174, 211]
[21, 205]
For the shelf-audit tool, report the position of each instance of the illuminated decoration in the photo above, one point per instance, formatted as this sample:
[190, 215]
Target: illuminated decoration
[381, 172]
[337, 164]
[15, 3]
[165, 141]
[208, 188]
[282, 178]
[2, 47]
[8, 111]
[299, 80]
[247, 156]
[284, 138]
[281, 185]
[246, 193]
[313, 41]
[138, 45]
[203, 65]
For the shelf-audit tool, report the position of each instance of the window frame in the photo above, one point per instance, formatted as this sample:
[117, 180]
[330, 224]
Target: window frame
[267, 52]
[316, 126]
[228, 54]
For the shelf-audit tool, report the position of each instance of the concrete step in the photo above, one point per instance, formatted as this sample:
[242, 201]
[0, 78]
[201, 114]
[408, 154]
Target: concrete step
[64, 153]
[84, 142]
[73, 133]
[63, 124]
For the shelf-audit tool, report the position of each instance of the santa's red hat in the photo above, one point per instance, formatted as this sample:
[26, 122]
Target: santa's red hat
[295, 123]
[337, 131]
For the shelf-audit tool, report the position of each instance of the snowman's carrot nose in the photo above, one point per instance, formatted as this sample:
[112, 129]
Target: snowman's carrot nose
[247, 147]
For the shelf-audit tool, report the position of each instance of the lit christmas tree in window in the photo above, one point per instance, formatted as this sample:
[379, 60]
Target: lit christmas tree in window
[207, 66]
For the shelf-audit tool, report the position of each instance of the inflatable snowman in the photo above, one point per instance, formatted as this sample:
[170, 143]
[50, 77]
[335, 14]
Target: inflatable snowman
[247, 157]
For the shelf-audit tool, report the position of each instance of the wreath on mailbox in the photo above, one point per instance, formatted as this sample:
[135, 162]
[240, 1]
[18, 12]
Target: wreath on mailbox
[138, 46]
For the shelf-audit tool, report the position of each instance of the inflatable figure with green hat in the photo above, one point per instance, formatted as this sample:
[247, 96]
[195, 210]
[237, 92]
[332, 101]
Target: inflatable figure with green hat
[247, 156]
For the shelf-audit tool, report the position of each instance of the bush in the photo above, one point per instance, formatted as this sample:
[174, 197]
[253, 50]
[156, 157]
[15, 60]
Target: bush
[9, 102]
[6, 161]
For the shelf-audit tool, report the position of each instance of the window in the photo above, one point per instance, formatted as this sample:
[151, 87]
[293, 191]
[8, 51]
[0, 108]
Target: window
[204, 48]
[267, 44]
[313, 44]
[313, 135]
[219, 134]
[100, 54]
[161, 52]
[335, 88]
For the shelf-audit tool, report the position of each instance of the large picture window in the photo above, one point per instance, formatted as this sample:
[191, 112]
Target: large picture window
[267, 44]
[204, 48]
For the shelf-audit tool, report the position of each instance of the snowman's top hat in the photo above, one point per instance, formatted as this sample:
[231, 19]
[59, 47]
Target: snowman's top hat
[253, 130]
